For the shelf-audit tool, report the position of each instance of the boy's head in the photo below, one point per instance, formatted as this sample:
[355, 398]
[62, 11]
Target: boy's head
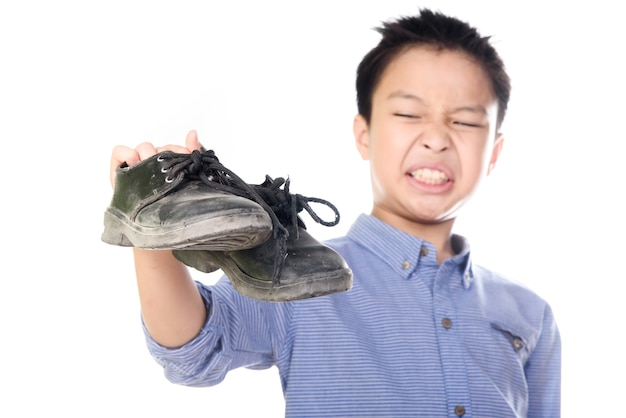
[437, 31]
[432, 96]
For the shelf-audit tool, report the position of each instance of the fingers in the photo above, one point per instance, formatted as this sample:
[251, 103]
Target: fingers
[122, 154]
[145, 150]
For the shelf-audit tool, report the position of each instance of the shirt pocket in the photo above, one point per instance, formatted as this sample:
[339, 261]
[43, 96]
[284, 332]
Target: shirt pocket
[520, 340]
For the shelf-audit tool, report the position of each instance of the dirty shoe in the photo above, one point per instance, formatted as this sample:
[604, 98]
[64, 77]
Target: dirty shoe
[291, 265]
[173, 200]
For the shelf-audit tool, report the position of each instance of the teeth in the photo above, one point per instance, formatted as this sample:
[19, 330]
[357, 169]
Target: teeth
[426, 175]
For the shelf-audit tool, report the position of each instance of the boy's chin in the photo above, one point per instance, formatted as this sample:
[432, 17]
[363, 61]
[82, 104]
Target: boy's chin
[434, 217]
[430, 220]
[417, 215]
[416, 219]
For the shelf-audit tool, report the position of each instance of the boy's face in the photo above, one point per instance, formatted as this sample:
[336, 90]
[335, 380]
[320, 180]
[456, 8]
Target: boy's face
[431, 136]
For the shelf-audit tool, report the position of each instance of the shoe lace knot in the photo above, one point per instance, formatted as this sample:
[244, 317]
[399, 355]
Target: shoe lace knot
[287, 205]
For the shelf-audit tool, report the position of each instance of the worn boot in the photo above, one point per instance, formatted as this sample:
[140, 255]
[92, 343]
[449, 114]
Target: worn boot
[291, 265]
[176, 200]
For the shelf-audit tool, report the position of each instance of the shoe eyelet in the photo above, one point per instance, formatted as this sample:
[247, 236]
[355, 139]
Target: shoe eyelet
[168, 179]
[164, 170]
[160, 159]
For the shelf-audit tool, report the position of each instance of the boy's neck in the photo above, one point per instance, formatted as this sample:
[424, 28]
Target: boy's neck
[437, 234]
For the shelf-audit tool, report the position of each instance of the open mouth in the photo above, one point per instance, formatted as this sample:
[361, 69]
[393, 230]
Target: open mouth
[430, 176]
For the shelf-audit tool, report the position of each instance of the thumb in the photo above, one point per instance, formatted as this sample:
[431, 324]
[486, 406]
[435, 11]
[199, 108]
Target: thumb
[192, 142]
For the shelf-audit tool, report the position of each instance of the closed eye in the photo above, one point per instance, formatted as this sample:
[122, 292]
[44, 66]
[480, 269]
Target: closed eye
[406, 115]
[471, 125]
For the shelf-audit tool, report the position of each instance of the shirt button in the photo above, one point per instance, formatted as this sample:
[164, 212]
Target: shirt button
[517, 343]
[459, 410]
[424, 251]
[406, 265]
[447, 324]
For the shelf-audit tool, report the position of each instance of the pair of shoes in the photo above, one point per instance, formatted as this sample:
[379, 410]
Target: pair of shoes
[212, 219]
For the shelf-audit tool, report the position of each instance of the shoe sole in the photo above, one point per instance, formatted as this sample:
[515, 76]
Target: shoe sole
[225, 232]
[308, 286]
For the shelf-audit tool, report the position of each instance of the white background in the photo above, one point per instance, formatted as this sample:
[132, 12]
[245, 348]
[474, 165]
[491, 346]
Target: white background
[270, 87]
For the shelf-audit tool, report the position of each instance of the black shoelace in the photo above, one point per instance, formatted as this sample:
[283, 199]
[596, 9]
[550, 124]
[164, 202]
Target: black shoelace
[278, 202]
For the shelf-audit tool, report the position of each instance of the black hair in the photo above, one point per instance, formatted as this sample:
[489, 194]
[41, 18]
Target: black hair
[433, 29]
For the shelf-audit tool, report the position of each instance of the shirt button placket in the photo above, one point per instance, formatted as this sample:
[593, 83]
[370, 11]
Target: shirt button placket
[452, 353]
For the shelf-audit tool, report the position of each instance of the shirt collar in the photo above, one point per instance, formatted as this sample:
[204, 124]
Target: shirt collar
[461, 248]
[402, 251]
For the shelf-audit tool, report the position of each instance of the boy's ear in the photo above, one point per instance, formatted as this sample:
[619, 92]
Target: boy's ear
[361, 136]
[495, 152]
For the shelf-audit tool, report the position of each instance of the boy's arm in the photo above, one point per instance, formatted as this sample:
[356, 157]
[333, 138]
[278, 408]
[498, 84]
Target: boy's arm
[172, 308]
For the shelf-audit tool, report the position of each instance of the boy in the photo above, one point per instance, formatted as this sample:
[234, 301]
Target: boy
[424, 332]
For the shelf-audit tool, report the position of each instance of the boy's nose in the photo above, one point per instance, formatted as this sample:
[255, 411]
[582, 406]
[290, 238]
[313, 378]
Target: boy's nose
[435, 138]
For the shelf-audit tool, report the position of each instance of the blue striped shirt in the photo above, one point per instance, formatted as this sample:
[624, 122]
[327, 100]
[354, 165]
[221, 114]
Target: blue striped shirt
[411, 339]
